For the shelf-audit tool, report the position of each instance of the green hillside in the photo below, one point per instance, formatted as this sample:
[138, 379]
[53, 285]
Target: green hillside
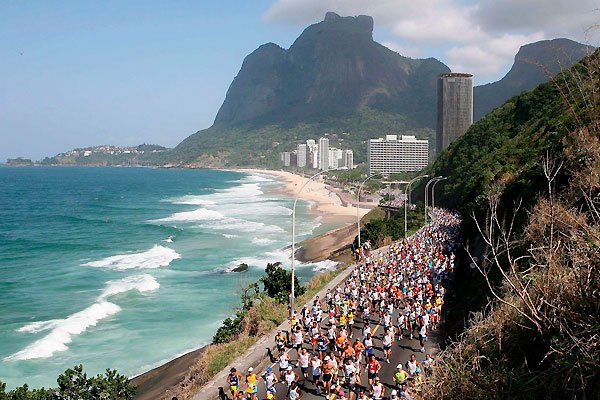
[250, 145]
[526, 179]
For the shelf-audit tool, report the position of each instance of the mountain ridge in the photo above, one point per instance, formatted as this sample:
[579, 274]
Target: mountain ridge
[533, 64]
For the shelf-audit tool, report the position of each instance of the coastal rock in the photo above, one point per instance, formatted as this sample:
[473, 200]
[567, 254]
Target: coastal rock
[243, 267]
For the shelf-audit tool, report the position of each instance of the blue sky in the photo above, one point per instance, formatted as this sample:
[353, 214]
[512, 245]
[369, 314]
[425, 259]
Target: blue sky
[82, 73]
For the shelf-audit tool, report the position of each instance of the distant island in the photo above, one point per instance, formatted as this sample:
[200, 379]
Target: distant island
[104, 155]
[19, 162]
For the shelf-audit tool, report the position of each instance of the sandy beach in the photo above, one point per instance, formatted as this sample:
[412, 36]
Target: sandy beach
[326, 199]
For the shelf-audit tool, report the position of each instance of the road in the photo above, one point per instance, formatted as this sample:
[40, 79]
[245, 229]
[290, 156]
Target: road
[401, 352]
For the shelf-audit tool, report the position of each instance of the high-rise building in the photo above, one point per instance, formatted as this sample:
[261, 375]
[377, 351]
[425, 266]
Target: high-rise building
[348, 157]
[302, 155]
[285, 158]
[323, 153]
[335, 158]
[391, 155]
[454, 108]
[312, 159]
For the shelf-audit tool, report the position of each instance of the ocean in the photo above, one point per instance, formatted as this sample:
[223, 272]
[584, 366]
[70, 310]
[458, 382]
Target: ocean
[127, 268]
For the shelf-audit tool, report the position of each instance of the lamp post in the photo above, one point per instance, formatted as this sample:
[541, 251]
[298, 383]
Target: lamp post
[427, 193]
[433, 191]
[294, 235]
[406, 202]
[358, 202]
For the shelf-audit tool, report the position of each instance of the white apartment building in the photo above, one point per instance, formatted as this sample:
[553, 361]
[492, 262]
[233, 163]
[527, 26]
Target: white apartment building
[323, 154]
[302, 155]
[312, 158]
[392, 154]
[286, 158]
[348, 159]
[335, 158]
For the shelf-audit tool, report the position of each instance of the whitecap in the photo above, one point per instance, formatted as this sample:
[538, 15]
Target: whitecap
[156, 257]
[262, 241]
[63, 330]
[228, 236]
[201, 214]
[325, 265]
[39, 326]
[194, 200]
[141, 283]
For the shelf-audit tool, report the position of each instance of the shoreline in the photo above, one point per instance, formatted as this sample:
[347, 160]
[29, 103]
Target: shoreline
[326, 202]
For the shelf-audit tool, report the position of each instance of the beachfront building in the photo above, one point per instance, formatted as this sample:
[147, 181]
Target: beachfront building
[312, 159]
[323, 154]
[348, 159]
[454, 108]
[335, 158]
[302, 155]
[392, 154]
[286, 158]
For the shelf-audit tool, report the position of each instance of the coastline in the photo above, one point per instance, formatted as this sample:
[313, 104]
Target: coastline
[326, 202]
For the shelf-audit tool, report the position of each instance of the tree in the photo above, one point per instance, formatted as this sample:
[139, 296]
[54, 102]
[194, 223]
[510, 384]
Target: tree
[74, 384]
[278, 283]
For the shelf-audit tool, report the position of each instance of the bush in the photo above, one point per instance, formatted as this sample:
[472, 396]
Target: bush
[278, 283]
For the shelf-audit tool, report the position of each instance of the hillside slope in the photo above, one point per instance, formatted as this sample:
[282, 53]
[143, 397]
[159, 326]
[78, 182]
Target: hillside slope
[534, 64]
[529, 174]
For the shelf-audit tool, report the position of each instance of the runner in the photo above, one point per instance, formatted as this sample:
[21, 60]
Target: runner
[316, 373]
[304, 362]
[377, 390]
[388, 339]
[252, 383]
[270, 382]
[327, 374]
[400, 376]
[373, 368]
[294, 393]
[233, 380]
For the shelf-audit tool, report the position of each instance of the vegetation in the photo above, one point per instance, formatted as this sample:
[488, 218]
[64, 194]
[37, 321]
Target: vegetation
[263, 313]
[388, 226]
[75, 384]
[255, 144]
[527, 180]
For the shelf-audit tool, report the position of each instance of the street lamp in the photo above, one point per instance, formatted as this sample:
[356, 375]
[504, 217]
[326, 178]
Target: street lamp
[427, 193]
[406, 202]
[294, 235]
[358, 202]
[433, 192]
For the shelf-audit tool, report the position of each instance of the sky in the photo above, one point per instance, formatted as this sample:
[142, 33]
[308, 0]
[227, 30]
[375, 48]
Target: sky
[83, 73]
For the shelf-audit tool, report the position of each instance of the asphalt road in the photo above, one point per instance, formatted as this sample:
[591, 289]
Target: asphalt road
[401, 352]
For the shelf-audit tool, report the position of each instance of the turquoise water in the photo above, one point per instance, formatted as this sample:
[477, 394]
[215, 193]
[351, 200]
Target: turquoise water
[127, 267]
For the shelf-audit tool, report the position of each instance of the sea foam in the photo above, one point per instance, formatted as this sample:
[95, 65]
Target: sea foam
[63, 330]
[201, 214]
[156, 257]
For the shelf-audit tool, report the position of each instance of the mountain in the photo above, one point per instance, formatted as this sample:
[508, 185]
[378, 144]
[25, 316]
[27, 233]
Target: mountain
[334, 78]
[535, 63]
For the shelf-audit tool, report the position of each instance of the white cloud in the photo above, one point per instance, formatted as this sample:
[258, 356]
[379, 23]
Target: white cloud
[406, 51]
[480, 37]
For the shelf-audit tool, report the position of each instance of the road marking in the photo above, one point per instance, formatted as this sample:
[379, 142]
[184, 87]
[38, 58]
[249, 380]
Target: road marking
[375, 330]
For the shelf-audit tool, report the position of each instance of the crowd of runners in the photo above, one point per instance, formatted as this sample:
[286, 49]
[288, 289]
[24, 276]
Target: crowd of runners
[395, 295]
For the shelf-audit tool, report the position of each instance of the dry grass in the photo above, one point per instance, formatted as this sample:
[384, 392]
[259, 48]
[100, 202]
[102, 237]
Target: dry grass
[540, 338]
[265, 315]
